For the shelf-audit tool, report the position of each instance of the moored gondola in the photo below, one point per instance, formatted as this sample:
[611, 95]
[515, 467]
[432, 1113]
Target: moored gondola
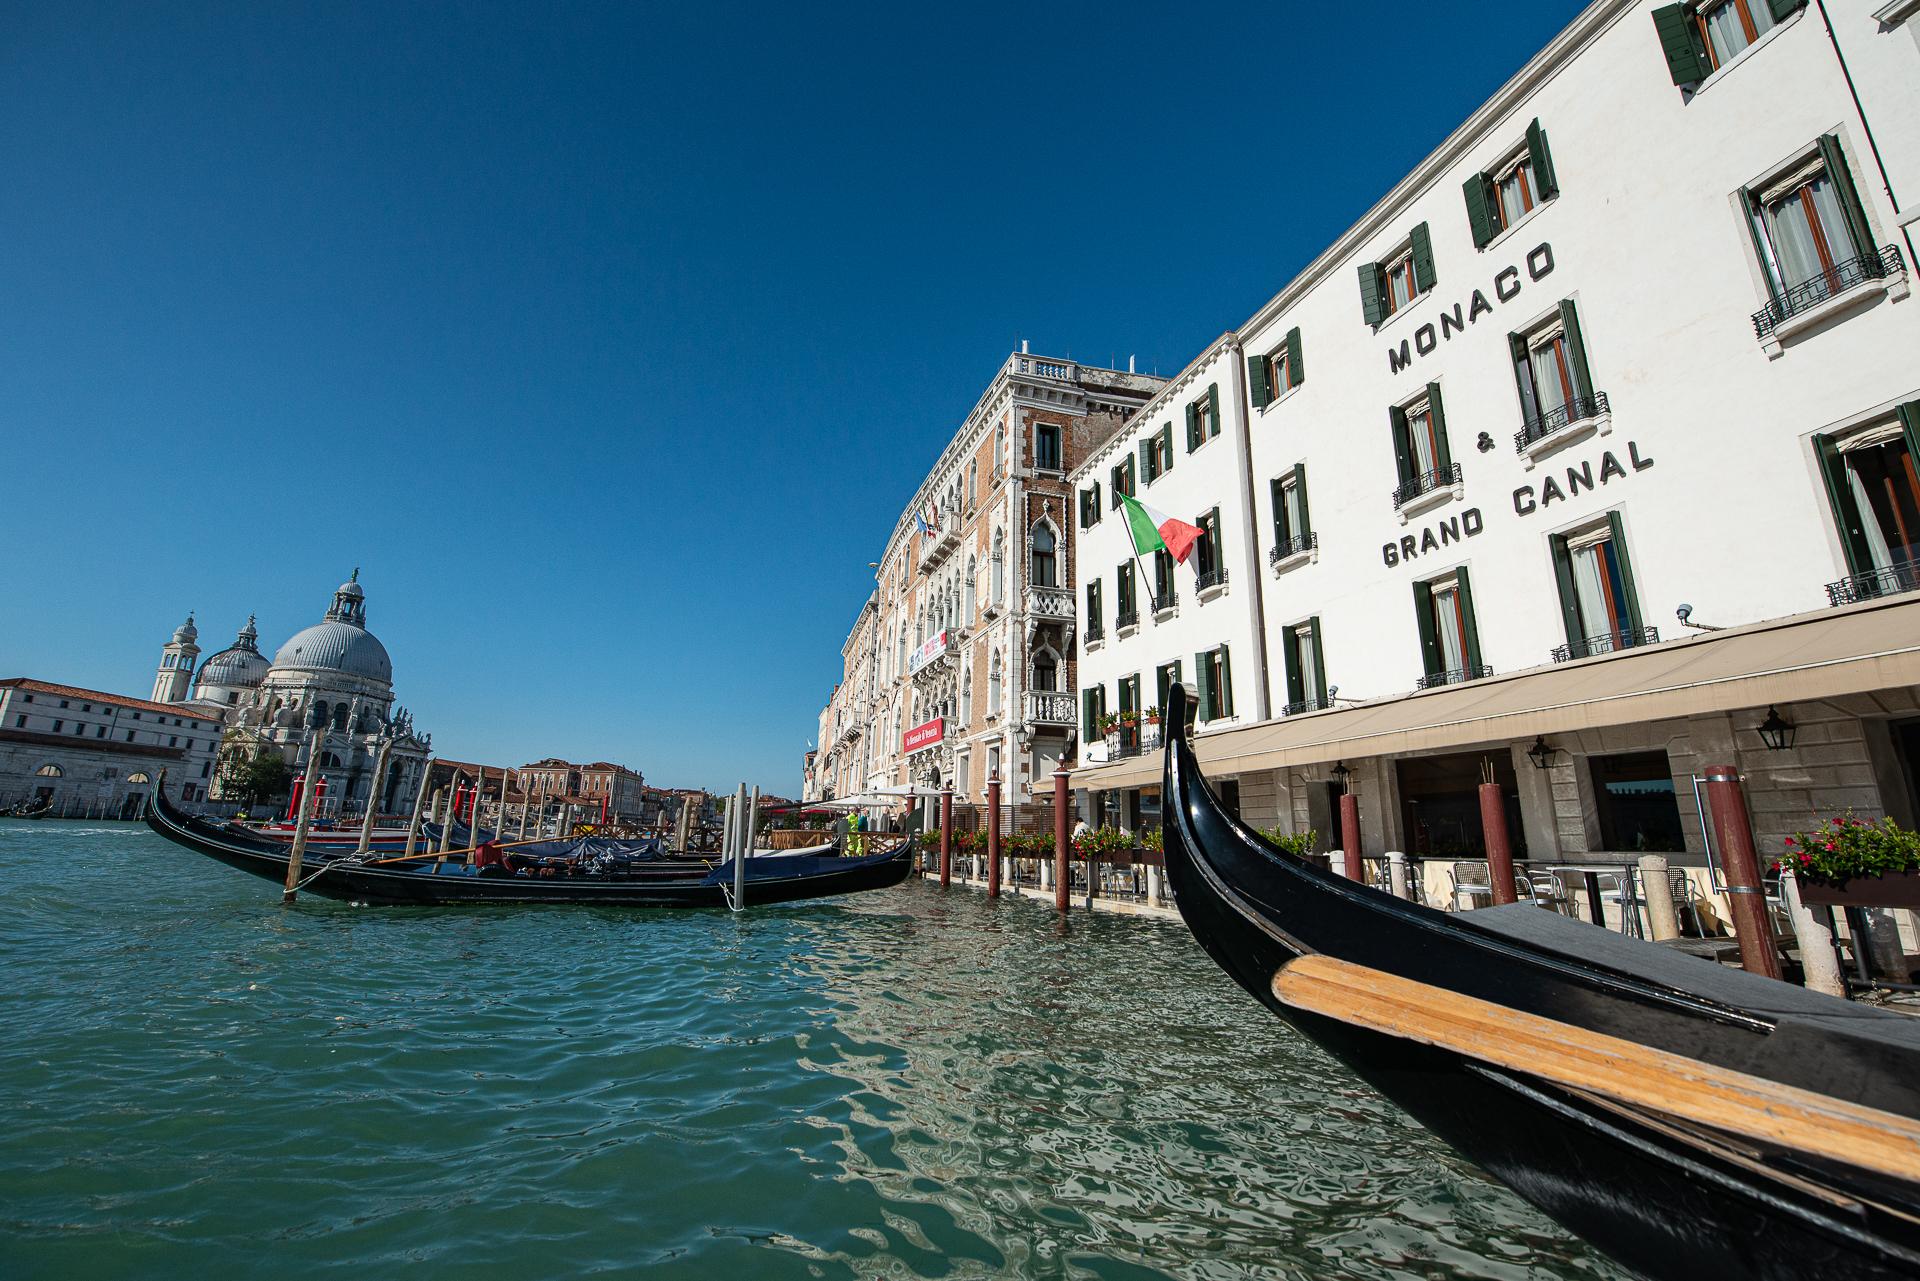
[1665, 1194]
[626, 883]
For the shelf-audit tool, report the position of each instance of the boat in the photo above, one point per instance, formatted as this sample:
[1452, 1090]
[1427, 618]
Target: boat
[613, 881]
[1668, 1195]
[37, 807]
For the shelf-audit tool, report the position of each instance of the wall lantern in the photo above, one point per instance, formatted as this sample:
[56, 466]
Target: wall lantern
[1540, 754]
[1341, 773]
[1775, 731]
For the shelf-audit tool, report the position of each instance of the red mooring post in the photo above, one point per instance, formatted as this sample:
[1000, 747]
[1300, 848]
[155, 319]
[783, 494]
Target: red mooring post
[1350, 835]
[946, 837]
[1735, 832]
[1062, 838]
[1493, 826]
[993, 837]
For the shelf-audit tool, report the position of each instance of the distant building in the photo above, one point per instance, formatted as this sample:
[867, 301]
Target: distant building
[98, 754]
[600, 788]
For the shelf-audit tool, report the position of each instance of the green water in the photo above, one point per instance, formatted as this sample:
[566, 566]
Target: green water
[197, 1083]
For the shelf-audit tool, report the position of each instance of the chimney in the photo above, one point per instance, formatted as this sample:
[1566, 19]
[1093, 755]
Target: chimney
[1129, 364]
[1023, 346]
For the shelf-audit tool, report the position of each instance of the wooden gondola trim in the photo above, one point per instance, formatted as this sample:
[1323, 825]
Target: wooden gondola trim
[1608, 1066]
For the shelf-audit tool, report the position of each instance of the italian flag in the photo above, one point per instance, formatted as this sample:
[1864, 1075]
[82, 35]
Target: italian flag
[1153, 531]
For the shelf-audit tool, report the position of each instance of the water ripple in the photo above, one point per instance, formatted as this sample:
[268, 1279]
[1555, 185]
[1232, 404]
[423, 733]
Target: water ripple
[907, 1085]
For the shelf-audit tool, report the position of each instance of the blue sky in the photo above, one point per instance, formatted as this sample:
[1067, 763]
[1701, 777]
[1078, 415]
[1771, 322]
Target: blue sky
[609, 340]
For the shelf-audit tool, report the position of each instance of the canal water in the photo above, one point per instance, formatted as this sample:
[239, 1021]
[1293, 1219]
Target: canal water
[195, 1082]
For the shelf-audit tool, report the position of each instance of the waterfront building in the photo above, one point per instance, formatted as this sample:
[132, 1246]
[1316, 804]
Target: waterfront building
[91, 753]
[959, 666]
[1582, 456]
[601, 787]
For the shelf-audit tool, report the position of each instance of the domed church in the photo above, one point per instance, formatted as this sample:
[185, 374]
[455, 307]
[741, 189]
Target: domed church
[334, 676]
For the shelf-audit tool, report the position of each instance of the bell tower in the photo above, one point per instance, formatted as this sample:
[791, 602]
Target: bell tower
[177, 660]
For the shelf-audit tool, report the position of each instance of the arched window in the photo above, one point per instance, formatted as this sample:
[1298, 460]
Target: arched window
[969, 606]
[1046, 670]
[329, 760]
[49, 771]
[993, 685]
[1044, 560]
[340, 713]
[999, 596]
[966, 692]
[139, 776]
[973, 482]
[321, 712]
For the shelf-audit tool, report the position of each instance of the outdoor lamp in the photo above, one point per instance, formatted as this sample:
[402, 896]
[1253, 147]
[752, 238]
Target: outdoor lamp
[1341, 773]
[1540, 754]
[1775, 731]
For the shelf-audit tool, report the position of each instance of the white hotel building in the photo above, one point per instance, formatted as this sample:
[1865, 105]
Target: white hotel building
[1633, 348]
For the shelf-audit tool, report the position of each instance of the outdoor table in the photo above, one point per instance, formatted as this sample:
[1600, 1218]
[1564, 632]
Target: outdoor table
[1590, 874]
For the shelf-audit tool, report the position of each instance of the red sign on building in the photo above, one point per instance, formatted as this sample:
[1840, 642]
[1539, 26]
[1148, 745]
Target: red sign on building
[924, 735]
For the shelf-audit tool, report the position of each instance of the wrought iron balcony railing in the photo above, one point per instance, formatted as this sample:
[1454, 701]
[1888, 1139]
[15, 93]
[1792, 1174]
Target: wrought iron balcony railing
[1168, 599]
[1425, 483]
[1293, 547]
[1891, 581]
[1453, 676]
[1305, 705]
[1577, 409]
[1211, 579]
[1836, 279]
[1606, 643]
[1127, 618]
[1095, 632]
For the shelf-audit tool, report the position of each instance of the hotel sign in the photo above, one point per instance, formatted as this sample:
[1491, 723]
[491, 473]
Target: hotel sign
[1506, 287]
[921, 736]
[934, 646]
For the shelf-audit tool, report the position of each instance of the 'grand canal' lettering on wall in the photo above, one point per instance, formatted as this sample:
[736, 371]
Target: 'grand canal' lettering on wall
[1528, 499]
[1443, 533]
[1506, 287]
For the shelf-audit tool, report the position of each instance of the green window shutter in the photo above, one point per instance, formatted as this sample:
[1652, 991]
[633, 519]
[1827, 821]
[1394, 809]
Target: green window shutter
[1627, 589]
[1750, 204]
[1442, 453]
[1523, 377]
[1166, 447]
[1257, 381]
[1680, 41]
[1088, 732]
[1146, 459]
[1471, 641]
[1300, 483]
[1846, 513]
[1545, 184]
[1296, 679]
[1294, 365]
[1563, 579]
[1280, 533]
[1213, 409]
[1319, 659]
[1850, 206]
[1423, 277]
[1576, 349]
[1910, 421]
[1402, 455]
[1193, 426]
[1784, 9]
[1423, 618]
[1204, 675]
[1223, 697]
[1479, 193]
[1095, 496]
[1373, 302]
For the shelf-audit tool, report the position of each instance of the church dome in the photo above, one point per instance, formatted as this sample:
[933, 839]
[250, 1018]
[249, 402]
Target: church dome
[239, 666]
[341, 642]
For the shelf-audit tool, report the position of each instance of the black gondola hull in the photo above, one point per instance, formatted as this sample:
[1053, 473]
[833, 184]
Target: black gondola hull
[664, 884]
[1661, 1197]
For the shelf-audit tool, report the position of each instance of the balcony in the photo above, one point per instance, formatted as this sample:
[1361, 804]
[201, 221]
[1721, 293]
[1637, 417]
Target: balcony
[1456, 676]
[1122, 743]
[1606, 643]
[1167, 605]
[1297, 550]
[1543, 434]
[1428, 489]
[1047, 707]
[1055, 604]
[1903, 576]
[1801, 306]
[1212, 583]
[1095, 633]
[1305, 705]
[1127, 618]
[942, 543]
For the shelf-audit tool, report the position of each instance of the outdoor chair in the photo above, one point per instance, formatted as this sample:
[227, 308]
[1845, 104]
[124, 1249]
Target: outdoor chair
[1684, 899]
[1618, 889]
[1472, 880]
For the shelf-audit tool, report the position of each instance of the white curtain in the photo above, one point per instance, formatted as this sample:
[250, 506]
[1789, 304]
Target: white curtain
[1869, 520]
[1590, 590]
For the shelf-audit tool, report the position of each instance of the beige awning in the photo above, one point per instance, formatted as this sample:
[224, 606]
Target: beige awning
[1827, 654]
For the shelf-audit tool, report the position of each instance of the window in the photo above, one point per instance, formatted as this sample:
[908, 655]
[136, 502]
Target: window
[1449, 639]
[1209, 554]
[999, 595]
[1404, 275]
[968, 589]
[1420, 447]
[1874, 491]
[1046, 446]
[994, 685]
[129, 736]
[1292, 524]
[1634, 800]
[58, 726]
[1044, 557]
[1276, 373]
[1093, 706]
[1306, 672]
[1164, 594]
[1094, 630]
[1550, 369]
[1203, 422]
[1810, 230]
[1501, 196]
[1597, 598]
[1156, 454]
[49, 771]
[1215, 676]
[1126, 606]
[1130, 710]
[1702, 36]
[139, 776]
[79, 729]
[1120, 479]
[1165, 677]
[1090, 505]
[1046, 671]
[100, 731]
[993, 762]
[20, 722]
[973, 482]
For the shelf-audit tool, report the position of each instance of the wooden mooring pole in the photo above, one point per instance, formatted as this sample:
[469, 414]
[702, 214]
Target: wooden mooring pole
[946, 836]
[1728, 804]
[993, 837]
[1493, 827]
[306, 816]
[419, 801]
[1350, 837]
[1062, 840]
[373, 791]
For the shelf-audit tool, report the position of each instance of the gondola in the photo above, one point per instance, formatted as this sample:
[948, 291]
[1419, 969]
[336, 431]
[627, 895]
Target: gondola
[669, 883]
[1663, 1194]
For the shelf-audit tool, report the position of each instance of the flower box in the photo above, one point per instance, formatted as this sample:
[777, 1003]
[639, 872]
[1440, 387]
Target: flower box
[1889, 889]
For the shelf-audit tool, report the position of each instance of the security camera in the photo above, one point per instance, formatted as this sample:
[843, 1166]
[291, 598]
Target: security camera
[1684, 612]
[1333, 692]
